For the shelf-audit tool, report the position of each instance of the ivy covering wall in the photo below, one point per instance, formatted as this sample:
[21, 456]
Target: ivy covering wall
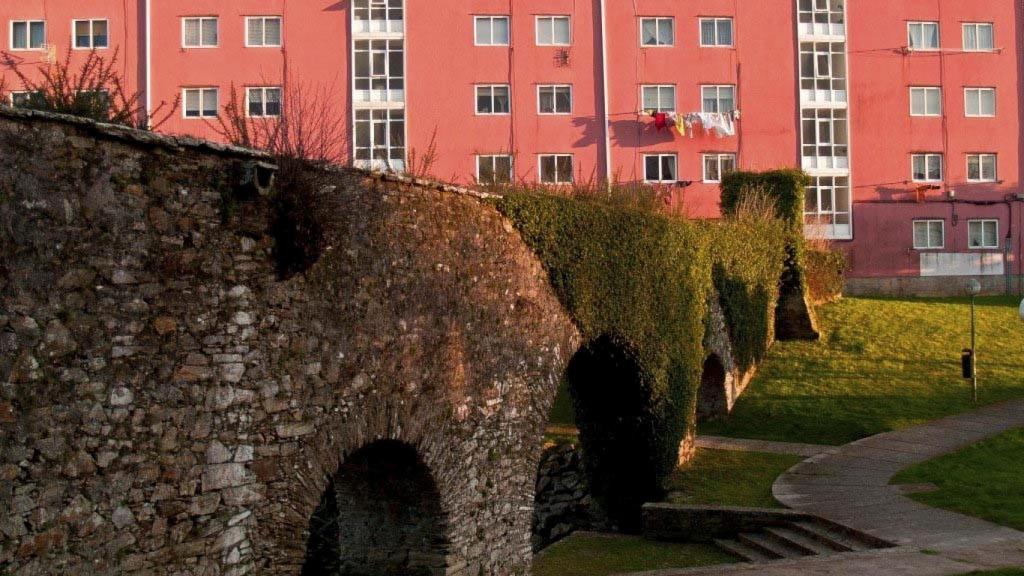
[637, 284]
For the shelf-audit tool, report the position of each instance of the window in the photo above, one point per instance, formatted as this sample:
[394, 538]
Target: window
[716, 32]
[262, 31]
[821, 17]
[823, 67]
[660, 168]
[923, 35]
[492, 99]
[263, 102]
[982, 234]
[91, 34]
[26, 99]
[199, 32]
[720, 99]
[659, 98]
[380, 139]
[494, 169]
[657, 31]
[827, 208]
[379, 71]
[200, 102]
[981, 167]
[980, 102]
[556, 168]
[926, 167]
[28, 34]
[491, 30]
[825, 138]
[383, 10]
[929, 234]
[925, 101]
[554, 99]
[718, 165]
[553, 31]
[979, 37]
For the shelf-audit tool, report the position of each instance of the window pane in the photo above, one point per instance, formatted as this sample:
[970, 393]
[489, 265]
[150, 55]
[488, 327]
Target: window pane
[209, 32]
[565, 168]
[501, 102]
[986, 39]
[563, 102]
[935, 168]
[668, 168]
[83, 33]
[726, 99]
[917, 101]
[99, 34]
[255, 31]
[707, 32]
[973, 167]
[544, 31]
[920, 234]
[562, 30]
[970, 37]
[547, 168]
[711, 169]
[649, 32]
[988, 102]
[972, 104]
[988, 167]
[665, 32]
[651, 167]
[915, 36]
[728, 164]
[499, 31]
[918, 167]
[209, 102]
[547, 101]
[192, 103]
[19, 38]
[975, 234]
[272, 32]
[709, 97]
[936, 234]
[933, 104]
[650, 97]
[725, 32]
[37, 34]
[991, 230]
[483, 31]
[191, 32]
[273, 102]
[255, 102]
[483, 100]
[931, 35]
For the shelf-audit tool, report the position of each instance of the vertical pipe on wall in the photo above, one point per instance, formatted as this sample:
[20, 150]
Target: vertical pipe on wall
[604, 93]
[149, 63]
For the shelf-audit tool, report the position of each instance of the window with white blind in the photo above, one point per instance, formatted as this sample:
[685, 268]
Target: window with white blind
[491, 30]
[91, 34]
[492, 100]
[923, 35]
[262, 31]
[554, 99]
[721, 99]
[718, 165]
[979, 37]
[494, 169]
[716, 32]
[555, 168]
[981, 168]
[28, 34]
[660, 168]
[263, 102]
[199, 32]
[925, 101]
[659, 98]
[929, 234]
[553, 31]
[200, 102]
[926, 167]
[657, 31]
[982, 234]
[980, 102]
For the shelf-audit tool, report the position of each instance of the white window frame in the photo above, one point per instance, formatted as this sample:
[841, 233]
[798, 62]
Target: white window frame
[718, 97]
[554, 98]
[717, 157]
[718, 42]
[977, 26]
[28, 35]
[835, 222]
[925, 90]
[661, 176]
[928, 156]
[476, 99]
[92, 34]
[550, 18]
[491, 18]
[202, 90]
[982, 222]
[660, 89]
[380, 155]
[928, 234]
[981, 157]
[263, 91]
[13, 93]
[922, 23]
[658, 20]
[540, 168]
[201, 44]
[977, 91]
[493, 158]
[248, 40]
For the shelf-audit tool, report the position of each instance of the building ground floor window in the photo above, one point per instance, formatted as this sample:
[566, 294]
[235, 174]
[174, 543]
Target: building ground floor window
[827, 209]
[380, 139]
[983, 234]
[929, 234]
[494, 169]
[556, 168]
[660, 168]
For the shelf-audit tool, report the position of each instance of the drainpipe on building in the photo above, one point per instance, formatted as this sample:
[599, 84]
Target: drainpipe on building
[149, 63]
[604, 88]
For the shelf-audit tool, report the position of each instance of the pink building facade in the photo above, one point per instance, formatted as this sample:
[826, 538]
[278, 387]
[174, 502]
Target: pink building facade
[906, 113]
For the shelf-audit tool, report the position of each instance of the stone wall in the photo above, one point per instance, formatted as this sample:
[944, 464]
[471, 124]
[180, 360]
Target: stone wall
[931, 286]
[562, 503]
[169, 405]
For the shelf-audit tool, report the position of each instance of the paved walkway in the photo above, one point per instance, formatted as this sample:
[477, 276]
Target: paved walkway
[850, 485]
[744, 445]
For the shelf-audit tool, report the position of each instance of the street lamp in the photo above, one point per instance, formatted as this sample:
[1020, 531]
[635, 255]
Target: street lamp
[974, 288]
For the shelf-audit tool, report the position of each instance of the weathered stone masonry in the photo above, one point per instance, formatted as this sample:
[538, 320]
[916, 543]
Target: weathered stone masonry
[168, 405]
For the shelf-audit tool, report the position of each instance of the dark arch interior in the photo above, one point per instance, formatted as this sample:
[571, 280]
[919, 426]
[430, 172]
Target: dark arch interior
[379, 516]
[711, 400]
[612, 401]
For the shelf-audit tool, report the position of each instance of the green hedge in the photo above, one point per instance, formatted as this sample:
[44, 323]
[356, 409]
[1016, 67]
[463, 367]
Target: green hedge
[637, 283]
[826, 274]
[785, 188]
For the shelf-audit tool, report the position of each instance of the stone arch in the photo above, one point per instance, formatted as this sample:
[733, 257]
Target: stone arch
[713, 395]
[380, 515]
[612, 399]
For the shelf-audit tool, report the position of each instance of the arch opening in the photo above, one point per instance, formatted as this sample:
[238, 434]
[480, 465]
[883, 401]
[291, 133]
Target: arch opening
[615, 413]
[712, 398]
[380, 515]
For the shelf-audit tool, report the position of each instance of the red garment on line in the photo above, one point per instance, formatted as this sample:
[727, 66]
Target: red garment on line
[660, 120]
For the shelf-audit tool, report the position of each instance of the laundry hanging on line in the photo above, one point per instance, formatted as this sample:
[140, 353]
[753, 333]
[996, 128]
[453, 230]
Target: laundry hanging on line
[722, 124]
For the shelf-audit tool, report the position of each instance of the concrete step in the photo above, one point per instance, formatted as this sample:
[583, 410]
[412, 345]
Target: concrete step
[800, 541]
[743, 551]
[769, 546]
[839, 541]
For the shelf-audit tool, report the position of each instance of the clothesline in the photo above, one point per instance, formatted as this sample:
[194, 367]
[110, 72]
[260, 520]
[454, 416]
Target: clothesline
[721, 123]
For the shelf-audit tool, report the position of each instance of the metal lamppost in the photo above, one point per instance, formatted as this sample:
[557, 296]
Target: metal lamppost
[971, 368]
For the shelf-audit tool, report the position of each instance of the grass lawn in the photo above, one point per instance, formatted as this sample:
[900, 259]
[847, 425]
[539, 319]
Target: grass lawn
[883, 364]
[589, 554]
[984, 480]
[728, 478]
[1003, 572]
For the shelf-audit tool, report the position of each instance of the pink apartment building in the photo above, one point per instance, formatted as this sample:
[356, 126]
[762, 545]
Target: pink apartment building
[906, 113]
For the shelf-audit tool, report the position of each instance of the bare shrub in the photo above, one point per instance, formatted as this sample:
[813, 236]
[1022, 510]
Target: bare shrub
[94, 90]
[756, 204]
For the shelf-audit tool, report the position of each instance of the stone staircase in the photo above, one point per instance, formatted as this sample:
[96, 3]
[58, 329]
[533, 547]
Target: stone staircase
[798, 538]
